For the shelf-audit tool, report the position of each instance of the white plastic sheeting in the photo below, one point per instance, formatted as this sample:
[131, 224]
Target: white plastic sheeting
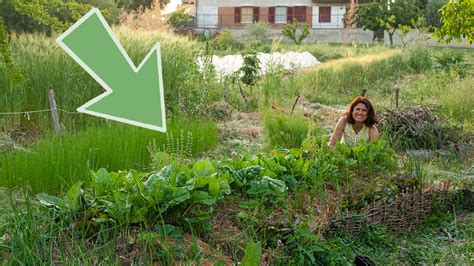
[229, 64]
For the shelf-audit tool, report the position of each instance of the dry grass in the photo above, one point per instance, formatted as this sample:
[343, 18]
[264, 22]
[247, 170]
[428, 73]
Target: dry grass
[148, 19]
[364, 60]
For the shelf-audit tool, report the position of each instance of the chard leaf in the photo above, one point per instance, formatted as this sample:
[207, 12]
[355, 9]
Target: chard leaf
[214, 186]
[203, 168]
[253, 251]
[73, 195]
[50, 201]
[203, 198]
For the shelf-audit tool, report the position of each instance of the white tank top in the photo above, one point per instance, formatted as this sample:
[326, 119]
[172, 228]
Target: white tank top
[349, 137]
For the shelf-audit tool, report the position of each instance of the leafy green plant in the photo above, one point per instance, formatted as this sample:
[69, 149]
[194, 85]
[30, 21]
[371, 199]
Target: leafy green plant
[258, 30]
[179, 18]
[251, 67]
[419, 59]
[175, 149]
[287, 131]
[225, 40]
[457, 23]
[253, 252]
[453, 64]
[289, 30]
[303, 245]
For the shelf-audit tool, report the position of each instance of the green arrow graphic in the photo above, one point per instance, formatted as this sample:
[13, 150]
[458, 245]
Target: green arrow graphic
[133, 95]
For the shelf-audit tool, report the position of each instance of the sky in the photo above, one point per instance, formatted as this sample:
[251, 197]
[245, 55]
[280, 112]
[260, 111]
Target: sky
[171, 7]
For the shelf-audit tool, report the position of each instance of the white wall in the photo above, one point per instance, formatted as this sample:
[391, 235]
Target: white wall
[231, 3]
[337, 14]
[207, 17]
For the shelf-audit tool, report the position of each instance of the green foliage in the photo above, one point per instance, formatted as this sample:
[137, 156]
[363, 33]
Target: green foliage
[67, 158]
[253, 252]
[258, 30]
[303, 246]
[179, 18]
[137, 4]
[177, 148]
[14, 75]
[250, 68]
[433, 17]
[419, 59]
[453, 64]
[289, 30]
[225, 40]
[383, 15]
[456, 17]
[286, 131]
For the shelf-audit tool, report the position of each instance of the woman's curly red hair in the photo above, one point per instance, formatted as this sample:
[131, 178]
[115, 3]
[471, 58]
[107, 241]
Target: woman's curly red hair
[371, 116]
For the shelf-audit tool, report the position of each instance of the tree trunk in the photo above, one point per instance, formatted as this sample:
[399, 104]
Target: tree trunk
[390, 36]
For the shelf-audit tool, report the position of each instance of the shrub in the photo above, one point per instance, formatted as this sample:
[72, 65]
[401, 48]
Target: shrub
[452, 63]
[226, 40]
[283, 130]
[179, 18]
[258, 30]
[419, 59]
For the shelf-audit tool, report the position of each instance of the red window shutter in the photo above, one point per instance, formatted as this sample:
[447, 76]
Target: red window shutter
[300, 13]
[271, 15]
[324, 14]
[256, 14]
[289, 14]
[237, 15]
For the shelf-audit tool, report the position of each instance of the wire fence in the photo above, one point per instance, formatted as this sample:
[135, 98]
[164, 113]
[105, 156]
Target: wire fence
[235, 21]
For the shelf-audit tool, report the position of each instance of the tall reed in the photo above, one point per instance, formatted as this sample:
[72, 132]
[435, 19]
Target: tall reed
[60, 160]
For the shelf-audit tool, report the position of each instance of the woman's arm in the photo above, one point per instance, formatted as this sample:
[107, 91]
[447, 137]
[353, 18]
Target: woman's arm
[337, 134]
[373, 133]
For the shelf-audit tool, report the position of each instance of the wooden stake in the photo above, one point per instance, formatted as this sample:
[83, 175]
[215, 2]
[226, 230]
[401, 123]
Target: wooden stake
[54, 111]
[397, 94]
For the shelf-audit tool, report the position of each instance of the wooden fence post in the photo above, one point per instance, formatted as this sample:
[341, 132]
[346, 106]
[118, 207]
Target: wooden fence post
[397, 94]
[54, 111]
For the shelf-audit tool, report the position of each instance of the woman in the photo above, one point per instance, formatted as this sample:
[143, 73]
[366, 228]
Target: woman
[357, 124]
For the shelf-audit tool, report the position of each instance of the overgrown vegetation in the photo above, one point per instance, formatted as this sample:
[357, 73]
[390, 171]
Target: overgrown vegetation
[123, 195]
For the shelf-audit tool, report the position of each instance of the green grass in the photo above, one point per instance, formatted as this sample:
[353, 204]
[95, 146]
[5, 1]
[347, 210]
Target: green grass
[59, 160]
[46, 66]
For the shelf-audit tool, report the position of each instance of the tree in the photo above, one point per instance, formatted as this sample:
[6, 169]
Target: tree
[55, 14]
[289, 30]
[457, 19]
[385, 15]
[136, 4]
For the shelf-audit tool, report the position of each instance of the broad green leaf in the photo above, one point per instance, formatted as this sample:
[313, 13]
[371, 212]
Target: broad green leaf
[73, 195]
[203, 168]
[249, 204]
[101, 181]
[214, 186]
[50, 201]
[203, 197]
[253, 252]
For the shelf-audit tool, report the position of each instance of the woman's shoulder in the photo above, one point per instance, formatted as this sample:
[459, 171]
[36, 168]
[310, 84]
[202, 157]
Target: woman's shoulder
[343, 119]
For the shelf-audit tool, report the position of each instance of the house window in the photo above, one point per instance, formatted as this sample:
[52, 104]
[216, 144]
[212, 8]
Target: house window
[324, 14]
[247, 14]
[280, 14]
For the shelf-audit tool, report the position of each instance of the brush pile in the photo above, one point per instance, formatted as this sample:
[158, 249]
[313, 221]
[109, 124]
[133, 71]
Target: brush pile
[422, 127]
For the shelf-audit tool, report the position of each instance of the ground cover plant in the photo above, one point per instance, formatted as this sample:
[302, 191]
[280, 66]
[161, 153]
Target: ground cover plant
[244, 173]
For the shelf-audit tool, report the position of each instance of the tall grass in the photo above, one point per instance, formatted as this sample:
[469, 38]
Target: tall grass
[339, 81]
[286, 131]
[46, 66]
[54, 162]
